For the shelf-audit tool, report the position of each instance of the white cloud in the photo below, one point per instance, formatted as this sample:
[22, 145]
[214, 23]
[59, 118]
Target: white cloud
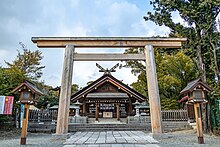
[85, 72]
[21, 20]
[77, 30]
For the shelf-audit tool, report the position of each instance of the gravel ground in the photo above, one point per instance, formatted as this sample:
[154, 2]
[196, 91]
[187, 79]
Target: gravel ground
[186, 138]
[12, 139]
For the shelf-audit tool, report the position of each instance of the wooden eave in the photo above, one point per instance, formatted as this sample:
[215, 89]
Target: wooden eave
[107, 78]
[110, 42]
[33, 89]
[191, 85]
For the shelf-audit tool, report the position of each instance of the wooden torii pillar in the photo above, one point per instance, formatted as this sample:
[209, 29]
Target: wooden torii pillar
[111, 42]
[65, 93]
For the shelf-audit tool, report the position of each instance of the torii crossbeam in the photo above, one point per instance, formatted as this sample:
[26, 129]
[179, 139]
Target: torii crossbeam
[70, 43]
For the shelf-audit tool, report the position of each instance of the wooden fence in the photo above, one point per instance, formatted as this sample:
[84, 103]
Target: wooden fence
[42, 115]
[51, 115]
[174, 115]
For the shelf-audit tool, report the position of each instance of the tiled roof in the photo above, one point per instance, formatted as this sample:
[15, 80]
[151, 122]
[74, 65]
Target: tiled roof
[191, 85]
[34, 88]
[185, 98]
[107, 78]
[30, 85]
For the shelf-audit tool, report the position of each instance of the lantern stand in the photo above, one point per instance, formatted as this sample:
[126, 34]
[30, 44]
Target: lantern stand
[137, 108]
[196, 95]
[77, 104]
[27, 97]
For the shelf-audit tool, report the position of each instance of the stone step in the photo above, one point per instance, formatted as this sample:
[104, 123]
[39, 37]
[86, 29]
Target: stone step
[48, 127]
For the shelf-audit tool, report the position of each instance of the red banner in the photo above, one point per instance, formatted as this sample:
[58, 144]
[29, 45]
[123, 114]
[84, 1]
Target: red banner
[8, 104]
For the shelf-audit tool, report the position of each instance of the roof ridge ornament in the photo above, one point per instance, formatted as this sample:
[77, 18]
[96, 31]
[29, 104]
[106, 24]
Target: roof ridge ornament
[107, 71]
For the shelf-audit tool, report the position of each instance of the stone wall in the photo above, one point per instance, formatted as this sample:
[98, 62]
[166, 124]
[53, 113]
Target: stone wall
[137, 120]
[78, 120]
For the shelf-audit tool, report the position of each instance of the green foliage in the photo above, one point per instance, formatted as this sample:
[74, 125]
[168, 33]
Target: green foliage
[4, 118]
[10, 78]
[168, 104]
[141, 84]
[199, 17]
[174, 70]
[28, 63]
[47, 100]
[75, 88]
[199, 26]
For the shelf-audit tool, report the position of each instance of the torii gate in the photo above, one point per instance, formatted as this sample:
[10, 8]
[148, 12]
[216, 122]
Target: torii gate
[70, 43]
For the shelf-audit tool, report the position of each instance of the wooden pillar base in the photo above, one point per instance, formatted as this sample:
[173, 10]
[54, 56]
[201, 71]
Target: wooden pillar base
[200, 140]
[23, 141]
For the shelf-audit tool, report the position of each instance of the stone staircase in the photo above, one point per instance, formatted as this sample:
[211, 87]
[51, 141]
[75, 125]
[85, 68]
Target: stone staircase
[105, 125]
[109, 127]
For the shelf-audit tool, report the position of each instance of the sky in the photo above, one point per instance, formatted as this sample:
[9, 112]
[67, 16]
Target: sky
[22, 19]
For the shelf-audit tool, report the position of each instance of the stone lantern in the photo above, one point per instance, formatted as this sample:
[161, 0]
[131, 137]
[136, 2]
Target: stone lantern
[136, 104]
[77, 104]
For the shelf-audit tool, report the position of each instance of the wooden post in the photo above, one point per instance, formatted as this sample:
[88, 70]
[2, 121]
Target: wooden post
[130, 107]
[198, 123]
[118, 112]
[97, 112]
[84, 108]
[24, 125]
[65, 93]
[153, 91]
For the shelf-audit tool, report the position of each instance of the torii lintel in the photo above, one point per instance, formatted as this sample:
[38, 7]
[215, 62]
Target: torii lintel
[110, 42]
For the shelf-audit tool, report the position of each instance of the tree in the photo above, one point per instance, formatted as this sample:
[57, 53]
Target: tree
[28, 63]
[74, 88]
[10, 78]
[203, 38]
[174, 70]
[200, 16]
[50, 98]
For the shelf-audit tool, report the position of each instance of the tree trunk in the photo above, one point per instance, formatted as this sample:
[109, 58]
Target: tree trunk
[201, 65]
[217, 72]
[208, 117]
[202, 72]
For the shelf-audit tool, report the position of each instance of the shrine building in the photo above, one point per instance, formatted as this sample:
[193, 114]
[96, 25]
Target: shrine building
[107, 97]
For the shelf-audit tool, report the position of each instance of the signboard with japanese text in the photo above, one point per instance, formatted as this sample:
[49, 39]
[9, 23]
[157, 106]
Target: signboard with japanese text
[6, 104]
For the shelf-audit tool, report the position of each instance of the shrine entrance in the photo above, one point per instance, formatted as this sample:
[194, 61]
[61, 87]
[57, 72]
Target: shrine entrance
[107, 97]
[70, 43]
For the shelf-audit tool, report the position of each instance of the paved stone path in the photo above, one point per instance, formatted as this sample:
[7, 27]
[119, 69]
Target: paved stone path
[111, 139]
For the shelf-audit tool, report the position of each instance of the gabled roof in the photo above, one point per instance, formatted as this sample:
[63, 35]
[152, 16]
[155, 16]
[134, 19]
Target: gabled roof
[184, 99]
[191, 85]
[29, 85]
[103, 79]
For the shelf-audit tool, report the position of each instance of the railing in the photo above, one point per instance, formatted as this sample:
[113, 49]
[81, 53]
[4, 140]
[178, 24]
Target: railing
[51, 115]
[42, 115]
[174, 115]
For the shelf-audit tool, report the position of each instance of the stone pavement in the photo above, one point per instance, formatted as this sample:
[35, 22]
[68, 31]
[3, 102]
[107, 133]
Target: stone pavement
[111, 139]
